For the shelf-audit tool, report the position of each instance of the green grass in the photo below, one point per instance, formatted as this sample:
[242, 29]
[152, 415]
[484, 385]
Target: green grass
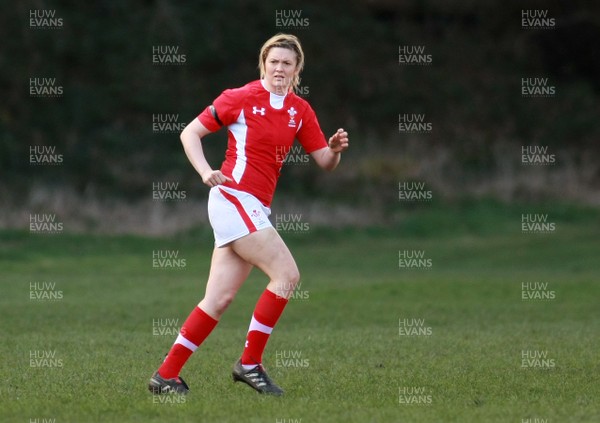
[347, 329]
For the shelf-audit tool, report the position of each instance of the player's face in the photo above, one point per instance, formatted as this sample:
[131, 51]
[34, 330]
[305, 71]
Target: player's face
[280, 69]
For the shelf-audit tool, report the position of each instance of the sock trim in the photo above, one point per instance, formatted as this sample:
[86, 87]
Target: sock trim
[249, 366]
[258, 326]
[186, 343]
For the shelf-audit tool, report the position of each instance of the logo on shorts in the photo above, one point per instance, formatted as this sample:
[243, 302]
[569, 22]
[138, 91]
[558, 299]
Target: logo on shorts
[256, 110]
[257, 214]
[292, 112]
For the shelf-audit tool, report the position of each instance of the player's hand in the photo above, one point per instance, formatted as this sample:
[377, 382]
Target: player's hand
[338, 142]
[212, 178]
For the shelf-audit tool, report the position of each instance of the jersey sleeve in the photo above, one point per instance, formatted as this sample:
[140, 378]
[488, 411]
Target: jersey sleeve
[310, 135]
[222, 112]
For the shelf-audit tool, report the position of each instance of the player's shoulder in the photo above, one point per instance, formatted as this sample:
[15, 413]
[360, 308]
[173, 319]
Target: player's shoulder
[300, 103]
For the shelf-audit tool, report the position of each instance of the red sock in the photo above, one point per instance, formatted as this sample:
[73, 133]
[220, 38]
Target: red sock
[268, 309]
[194, 331]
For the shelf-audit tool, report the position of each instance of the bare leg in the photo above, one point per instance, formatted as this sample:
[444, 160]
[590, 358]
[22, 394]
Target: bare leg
[228, 271]
[266, 250]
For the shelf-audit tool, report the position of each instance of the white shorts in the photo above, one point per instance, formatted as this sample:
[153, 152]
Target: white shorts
[234, 214]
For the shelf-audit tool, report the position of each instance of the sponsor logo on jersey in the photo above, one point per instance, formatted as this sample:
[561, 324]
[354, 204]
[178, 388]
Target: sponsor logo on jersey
[256, 110]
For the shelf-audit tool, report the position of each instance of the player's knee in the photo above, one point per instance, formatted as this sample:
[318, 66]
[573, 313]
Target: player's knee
[292, 276]
[216, 305]
[223, 302]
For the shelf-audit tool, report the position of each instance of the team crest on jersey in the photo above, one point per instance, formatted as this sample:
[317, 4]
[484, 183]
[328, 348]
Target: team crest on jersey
[292, 112]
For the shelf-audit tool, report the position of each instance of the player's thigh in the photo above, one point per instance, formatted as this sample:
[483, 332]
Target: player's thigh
[266, 250]
[228, 271]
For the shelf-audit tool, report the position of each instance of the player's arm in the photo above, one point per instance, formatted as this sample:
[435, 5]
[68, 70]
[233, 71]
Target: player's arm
[191, 138]
[329, 157]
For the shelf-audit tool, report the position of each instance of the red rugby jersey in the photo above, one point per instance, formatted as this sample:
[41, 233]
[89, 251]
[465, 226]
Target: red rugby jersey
[261, 128]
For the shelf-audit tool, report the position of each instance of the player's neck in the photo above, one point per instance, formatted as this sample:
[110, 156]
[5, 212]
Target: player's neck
[281, 91]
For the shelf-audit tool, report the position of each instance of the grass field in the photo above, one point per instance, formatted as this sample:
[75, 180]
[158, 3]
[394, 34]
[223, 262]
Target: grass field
[87, 319]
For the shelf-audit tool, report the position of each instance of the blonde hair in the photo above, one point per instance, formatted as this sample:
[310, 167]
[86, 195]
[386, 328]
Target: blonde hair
[291, 42]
